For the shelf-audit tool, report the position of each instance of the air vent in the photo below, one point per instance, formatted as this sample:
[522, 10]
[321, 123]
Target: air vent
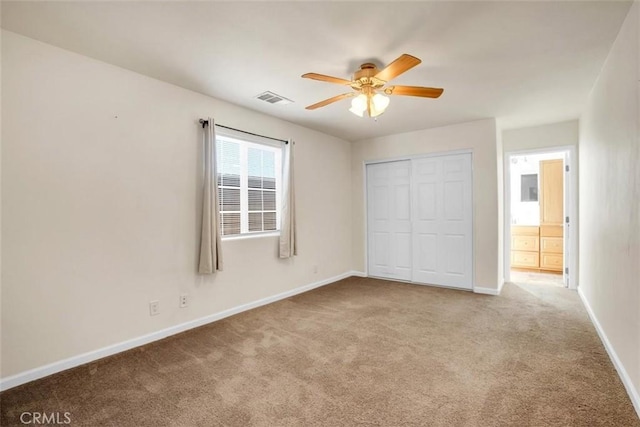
[273, 98]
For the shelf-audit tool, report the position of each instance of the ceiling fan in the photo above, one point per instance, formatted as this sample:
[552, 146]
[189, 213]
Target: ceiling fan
[368, 83]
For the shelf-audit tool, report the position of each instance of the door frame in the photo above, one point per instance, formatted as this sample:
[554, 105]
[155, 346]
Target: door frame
[570, 209]
[365, 163]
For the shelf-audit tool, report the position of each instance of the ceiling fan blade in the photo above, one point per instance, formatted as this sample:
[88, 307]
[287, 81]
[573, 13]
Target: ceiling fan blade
[331, 100]
[327, 79]
[404, 63]
[425, 92]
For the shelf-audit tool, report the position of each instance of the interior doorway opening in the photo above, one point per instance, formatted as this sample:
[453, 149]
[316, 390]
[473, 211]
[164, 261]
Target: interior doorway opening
[538, 204]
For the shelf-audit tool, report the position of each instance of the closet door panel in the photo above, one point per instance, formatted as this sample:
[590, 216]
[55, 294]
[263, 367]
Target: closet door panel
[419, 220]
[379, 220]
[427, 253]
[427, 204]
[447, 226]
[401, 219]
[389, 220]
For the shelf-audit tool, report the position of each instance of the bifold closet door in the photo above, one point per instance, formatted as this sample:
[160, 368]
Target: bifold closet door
[442, 221]
[389, 220]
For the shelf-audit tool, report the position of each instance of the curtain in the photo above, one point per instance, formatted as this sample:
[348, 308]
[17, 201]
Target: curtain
[288, 244]
[210, 242]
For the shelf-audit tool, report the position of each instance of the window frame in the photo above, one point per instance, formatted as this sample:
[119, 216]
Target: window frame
[247, 141]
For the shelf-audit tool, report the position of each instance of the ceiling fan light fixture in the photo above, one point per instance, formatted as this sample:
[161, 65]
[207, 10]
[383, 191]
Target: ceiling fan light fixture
[359, 113]
[359, 105]
[368, 80]
[379, 104]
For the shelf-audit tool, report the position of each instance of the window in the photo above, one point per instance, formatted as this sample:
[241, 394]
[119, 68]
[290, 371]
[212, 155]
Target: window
[529, 188]
[249, 175]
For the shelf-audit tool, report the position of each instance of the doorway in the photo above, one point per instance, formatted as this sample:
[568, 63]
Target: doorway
[539, 202]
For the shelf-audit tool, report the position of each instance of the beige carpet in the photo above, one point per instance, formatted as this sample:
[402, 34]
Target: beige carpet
[360, 352]
[536, 278]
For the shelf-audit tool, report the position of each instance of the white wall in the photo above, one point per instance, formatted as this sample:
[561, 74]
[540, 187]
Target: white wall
[542, 136]
[480, 136]
[101, 188]
[610, 201]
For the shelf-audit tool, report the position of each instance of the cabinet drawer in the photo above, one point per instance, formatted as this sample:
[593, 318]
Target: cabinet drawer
[551, 244]
[551, 262]
[551, 231]
[524, 259]
[525, 230]
[524, 243]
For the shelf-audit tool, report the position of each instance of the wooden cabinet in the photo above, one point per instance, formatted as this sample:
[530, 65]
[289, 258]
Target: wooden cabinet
[551, 247]
[551, 262]
[525, 246]
[525, 243]
[551, 192]
[551, 214]
[522, 259]
[541, 248]
[537, 248]
[551, 230]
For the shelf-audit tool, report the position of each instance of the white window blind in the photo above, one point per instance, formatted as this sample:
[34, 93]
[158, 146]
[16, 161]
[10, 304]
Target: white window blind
[249, 176]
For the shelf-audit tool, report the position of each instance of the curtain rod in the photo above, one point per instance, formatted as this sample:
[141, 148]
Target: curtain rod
[204, 122]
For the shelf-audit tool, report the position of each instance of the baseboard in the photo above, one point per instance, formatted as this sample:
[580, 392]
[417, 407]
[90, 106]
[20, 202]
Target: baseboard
[487, 291]
[72, 362]
[622, 372]
[359, 273]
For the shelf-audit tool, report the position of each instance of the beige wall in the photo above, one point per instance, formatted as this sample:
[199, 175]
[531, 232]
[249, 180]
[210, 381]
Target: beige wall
[543, 136]
[610, 199]
[479, 136]
[100, 188]
[0, 195]
[500, 190]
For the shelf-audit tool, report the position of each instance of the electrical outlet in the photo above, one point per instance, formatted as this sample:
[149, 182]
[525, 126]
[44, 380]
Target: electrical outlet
[154, 308]
[315, 269]
[184, 300]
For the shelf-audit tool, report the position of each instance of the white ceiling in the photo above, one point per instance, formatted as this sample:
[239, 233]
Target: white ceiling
[524, 63]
